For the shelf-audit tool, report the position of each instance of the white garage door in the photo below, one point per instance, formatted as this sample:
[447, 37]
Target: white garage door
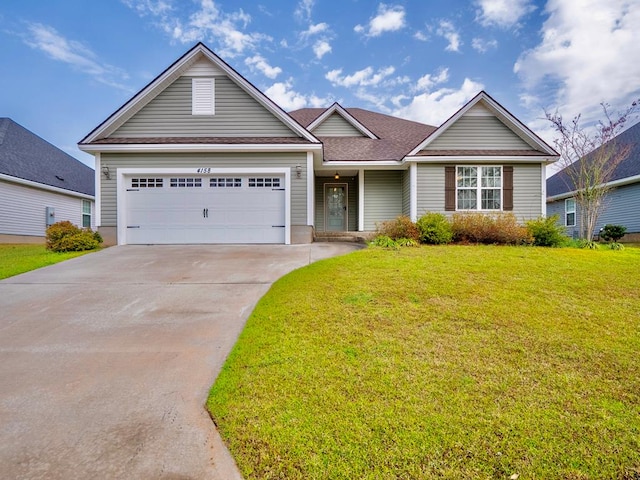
[176, 209]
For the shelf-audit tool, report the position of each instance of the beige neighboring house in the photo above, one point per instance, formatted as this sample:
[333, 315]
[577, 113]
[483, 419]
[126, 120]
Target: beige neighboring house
[39, 185]
[200, 155]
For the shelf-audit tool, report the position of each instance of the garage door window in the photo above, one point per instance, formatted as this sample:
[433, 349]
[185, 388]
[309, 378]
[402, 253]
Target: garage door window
[146, 183]
[185, 182]
[225, 182]
[264, 182]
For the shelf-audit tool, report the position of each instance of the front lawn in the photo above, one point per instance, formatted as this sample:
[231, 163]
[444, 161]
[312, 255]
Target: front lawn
[475, 362]
[16, 259]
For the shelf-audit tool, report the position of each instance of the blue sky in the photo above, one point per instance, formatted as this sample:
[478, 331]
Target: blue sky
[67, 65]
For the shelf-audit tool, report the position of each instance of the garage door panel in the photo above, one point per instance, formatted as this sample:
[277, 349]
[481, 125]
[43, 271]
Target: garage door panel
[215, 212]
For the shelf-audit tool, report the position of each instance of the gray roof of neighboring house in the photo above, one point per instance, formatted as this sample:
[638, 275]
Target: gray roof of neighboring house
[561, 183]
[25, 155]
[396, 137]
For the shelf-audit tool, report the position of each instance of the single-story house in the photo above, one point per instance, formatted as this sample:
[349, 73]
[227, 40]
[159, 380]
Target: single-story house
[622, 203]
[200, 155]
[40, 185]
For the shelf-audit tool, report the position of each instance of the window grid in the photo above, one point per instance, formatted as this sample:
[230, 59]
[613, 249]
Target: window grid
[488, 190]
[264, 182]
[225, 182]
[146, 182]
[86, 214]
[570, 212]
[185, 182]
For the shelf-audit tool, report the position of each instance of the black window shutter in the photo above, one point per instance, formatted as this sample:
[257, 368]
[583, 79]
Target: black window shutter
[450, 188]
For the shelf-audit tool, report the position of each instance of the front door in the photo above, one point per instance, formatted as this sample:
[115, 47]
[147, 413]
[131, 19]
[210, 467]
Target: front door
[335, 213]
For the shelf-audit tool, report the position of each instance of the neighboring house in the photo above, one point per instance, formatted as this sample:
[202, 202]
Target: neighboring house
[39, 185]
[622, 203]
[200, 155]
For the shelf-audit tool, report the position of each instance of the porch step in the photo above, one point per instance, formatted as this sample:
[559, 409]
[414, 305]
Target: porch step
[355, 237]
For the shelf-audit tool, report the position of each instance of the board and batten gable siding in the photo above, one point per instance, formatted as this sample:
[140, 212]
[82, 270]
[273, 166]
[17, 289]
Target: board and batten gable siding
[23, 209]
[336, 126]
[382, 196]
[527, 190]
[471, 132]
[352, 201]
[213, 160]
[237, 114]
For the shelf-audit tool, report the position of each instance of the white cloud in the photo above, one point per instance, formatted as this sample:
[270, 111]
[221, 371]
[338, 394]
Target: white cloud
[288, 99]
[588, 54]
[503, 13]
[303, 9]
[428, 81]
[48, 40]
[208, 22]
[364, 77]
[482, 45]
[259, 63]
[447, 30]
[420, 36]
[315, 29]
[388, 19]
[435, 107]
[321, 48]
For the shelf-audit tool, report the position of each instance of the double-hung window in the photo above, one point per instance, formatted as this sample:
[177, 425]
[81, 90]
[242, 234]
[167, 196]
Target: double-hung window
[570, 212]
[478, 188]
[86, 214]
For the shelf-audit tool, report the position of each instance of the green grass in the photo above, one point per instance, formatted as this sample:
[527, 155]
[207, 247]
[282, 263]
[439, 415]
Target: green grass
[440, 362]
[17, 259]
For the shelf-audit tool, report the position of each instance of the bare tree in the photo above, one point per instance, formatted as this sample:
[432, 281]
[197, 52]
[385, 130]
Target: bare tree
[589, 158]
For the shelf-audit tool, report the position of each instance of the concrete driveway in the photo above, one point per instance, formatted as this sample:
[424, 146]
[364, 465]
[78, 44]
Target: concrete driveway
[106, 360]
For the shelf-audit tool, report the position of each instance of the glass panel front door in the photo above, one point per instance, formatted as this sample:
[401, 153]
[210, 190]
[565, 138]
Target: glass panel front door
[335, 208]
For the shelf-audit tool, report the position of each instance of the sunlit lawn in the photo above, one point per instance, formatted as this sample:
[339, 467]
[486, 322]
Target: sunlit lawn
[445, 362]
[16, 259]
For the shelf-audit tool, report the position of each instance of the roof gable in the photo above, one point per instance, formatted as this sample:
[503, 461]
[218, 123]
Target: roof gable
[483, 124]
[26, 156]
[335, 121]
[197, 62]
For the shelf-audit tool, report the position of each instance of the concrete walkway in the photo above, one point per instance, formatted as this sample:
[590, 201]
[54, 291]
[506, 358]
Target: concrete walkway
[106, 360]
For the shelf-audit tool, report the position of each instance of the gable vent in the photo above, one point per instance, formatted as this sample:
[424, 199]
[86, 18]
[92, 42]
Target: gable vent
[202, 96]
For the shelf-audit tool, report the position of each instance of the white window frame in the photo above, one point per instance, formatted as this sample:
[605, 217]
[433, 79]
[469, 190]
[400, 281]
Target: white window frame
[568, 212]
[203, 95]
[479, 188]
[87, 213]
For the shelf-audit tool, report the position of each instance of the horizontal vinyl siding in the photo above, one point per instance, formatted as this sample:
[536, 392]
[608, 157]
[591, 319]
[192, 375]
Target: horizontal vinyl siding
[406, 193]
[336, 126]
[478, 132]
[23, 209]
[382, 197]
[196, 160]
[237, 114]
[352, 201]
[527, 190]
[622, 207]
[557, 208]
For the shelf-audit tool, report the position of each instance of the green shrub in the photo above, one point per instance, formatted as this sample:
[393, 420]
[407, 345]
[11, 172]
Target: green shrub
[383, 241]
[400, 227]
[616, 246]
[407, 242]
[67, 237]
[500, 228]
[613, 233]
[435, 229]
[547, 232]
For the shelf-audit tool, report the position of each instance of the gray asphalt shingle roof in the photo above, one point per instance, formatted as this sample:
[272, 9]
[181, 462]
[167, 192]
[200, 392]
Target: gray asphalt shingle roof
[560, 182]
[25, 155]
[396, 136]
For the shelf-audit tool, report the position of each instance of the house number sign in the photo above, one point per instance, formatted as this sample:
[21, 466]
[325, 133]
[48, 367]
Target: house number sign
[204, 170]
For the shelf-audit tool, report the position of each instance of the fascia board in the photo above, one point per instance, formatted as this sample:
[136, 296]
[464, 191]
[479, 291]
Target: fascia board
[199, 147]
[476, 158]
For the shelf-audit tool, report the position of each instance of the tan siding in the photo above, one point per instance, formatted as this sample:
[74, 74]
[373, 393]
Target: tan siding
[237, 114]
[382, 197]
[195, 160]
[336, 126]
[478, 132]
[527, 190]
